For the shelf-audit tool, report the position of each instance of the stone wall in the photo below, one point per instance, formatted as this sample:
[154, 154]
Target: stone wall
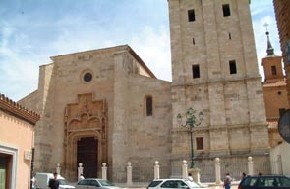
[234, 121]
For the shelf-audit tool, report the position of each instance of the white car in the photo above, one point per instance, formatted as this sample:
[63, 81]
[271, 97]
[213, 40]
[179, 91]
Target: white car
[88, 183]
[174, 183]
[42, 179]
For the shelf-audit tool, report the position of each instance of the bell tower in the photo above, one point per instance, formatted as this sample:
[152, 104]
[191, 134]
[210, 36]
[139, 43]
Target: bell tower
[215, 71]
[272, 66]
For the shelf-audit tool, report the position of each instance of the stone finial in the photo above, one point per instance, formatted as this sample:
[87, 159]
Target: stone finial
[217, 160]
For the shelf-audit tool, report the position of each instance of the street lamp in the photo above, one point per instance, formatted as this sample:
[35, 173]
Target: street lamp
[191, 121]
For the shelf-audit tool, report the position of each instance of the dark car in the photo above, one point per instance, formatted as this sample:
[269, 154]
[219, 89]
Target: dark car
[265, 182]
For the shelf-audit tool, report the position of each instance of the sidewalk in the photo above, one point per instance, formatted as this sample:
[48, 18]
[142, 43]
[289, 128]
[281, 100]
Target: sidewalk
[221, 187]
[235, 185]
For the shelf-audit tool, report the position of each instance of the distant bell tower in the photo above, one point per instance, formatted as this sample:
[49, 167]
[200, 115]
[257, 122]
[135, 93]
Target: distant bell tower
[271, 63]
[215, 71]
[274, 91]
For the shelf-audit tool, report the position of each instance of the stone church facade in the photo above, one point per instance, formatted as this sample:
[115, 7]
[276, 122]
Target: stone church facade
[105, 105]
[93, 111]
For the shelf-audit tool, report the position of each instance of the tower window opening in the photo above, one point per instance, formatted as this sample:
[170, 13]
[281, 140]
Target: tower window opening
[199, 143]
[148, 103]
[191, 15]
[273, 70]
[195, 71]
[226, 10]
[193, 41]
[230, 35]
[233, 67]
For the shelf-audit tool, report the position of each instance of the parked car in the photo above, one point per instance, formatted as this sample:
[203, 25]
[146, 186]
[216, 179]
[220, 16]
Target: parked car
[90, 183]
[173, 183]
[42, 180]
[265, 182]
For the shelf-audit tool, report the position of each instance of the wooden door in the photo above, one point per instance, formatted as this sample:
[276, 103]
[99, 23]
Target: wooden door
[87, 153]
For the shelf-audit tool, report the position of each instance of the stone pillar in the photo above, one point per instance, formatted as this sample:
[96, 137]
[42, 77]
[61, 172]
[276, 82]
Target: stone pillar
[184, 169]
[195, 174]
[129, 174]
[250, 165]
[217, 170]
[80, 169]
[104, 171]
[58, 168]
[156, 170]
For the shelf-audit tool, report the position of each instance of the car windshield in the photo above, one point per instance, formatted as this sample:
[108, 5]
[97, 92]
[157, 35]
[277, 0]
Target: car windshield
[106, 183]
[154, 183]
[62, 182]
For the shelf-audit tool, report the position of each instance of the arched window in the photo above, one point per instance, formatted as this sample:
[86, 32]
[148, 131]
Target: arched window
[148, 103]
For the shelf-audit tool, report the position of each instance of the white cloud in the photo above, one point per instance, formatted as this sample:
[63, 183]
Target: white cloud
[153, 46]
[19, 76]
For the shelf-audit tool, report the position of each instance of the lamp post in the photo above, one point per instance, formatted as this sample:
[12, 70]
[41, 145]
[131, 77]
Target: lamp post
[191, 121]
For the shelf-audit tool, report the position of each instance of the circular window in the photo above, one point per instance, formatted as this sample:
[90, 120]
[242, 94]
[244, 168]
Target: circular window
[88, 77]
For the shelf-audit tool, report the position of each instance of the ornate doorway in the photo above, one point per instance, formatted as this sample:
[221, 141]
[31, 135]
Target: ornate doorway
[87, 150]
[85, 136]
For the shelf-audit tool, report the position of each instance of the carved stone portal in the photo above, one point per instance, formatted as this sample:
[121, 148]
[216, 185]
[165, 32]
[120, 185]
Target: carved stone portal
[85, 120]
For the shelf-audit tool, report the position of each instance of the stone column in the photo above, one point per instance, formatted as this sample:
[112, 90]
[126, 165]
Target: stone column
[104, 171]
[250, 165]
[217, 171]
[129, 174]
[184, 169]
[58, 168]
[156, 170]
[80, 169]
[195, 174]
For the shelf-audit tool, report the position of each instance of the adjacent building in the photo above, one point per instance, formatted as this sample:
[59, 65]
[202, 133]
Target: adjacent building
[16, 143]
[275, 92]
[282, 13]
[280, 153]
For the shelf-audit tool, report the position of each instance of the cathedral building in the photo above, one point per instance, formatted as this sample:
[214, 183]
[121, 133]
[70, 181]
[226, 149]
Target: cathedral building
[106, 106]
[100, 106]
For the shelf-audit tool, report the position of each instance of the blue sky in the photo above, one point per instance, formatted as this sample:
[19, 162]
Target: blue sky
[33, 30]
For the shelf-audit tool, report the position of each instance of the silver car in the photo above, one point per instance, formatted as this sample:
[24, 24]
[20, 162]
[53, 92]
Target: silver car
[174, 183]
[90, 183]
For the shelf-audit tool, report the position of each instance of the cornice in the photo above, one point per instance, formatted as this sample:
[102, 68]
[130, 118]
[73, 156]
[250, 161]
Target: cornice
[13, 108]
